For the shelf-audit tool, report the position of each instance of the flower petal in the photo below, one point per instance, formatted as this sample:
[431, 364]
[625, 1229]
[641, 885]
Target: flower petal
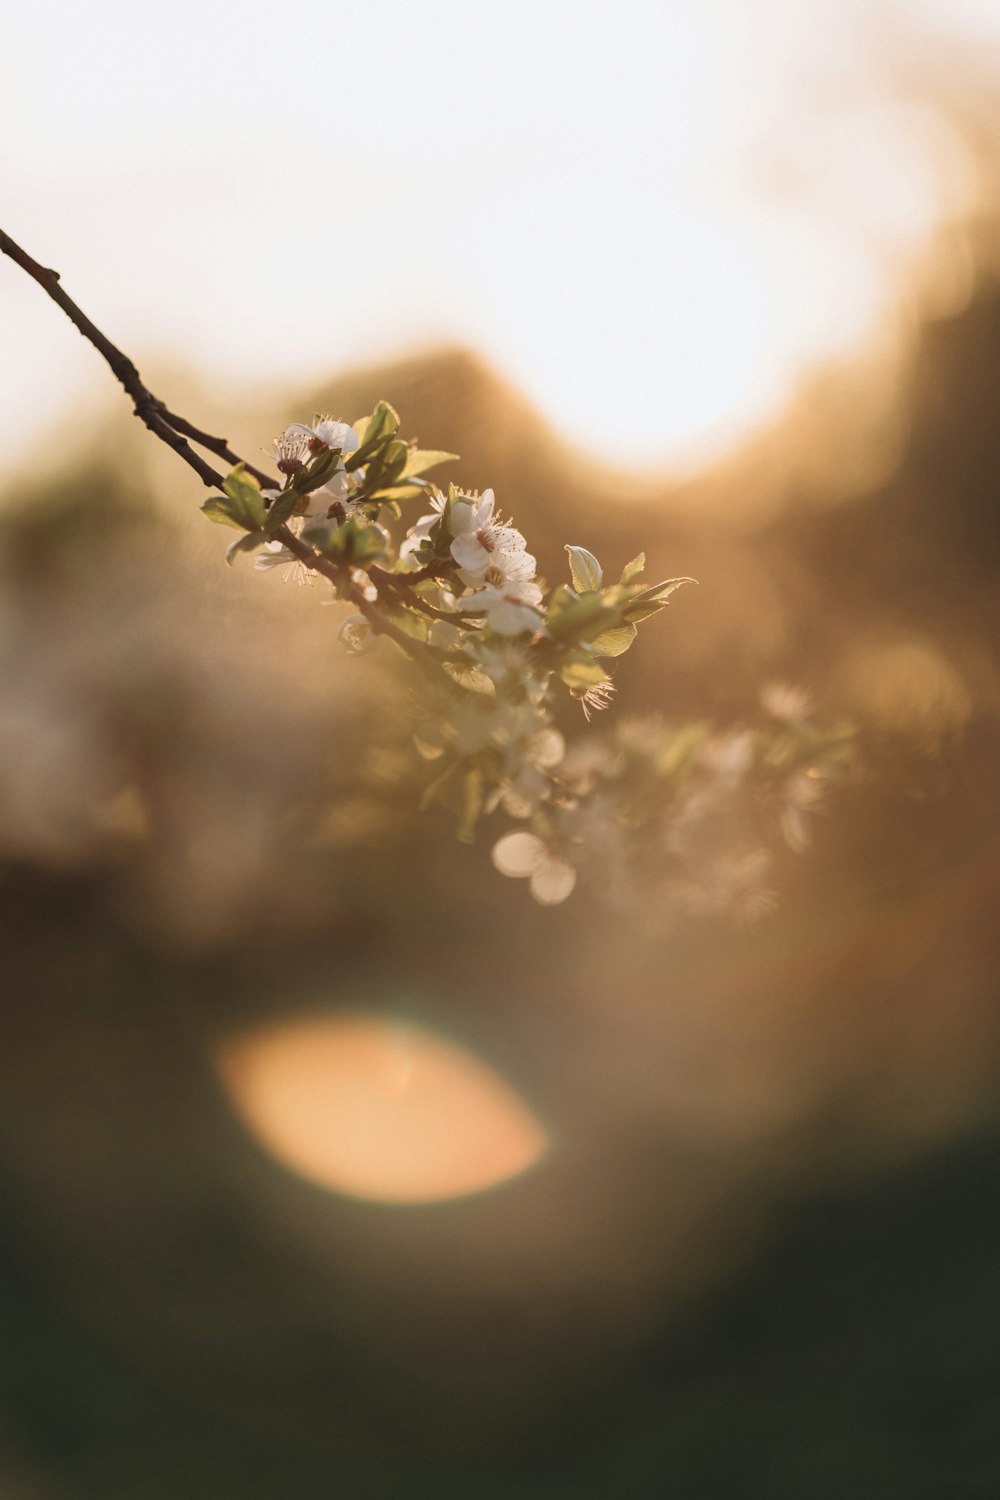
[510, 617]
[552, 881]
[518, 855]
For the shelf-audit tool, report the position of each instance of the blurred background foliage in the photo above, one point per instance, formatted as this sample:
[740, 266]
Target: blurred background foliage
[760, 1257]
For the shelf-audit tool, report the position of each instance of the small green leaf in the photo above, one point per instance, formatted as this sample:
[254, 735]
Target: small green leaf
[394, 493]
[219, 509]
[242, 504]
[650, 601]
[614, 642]
[387, 467]
[633, 569]
[570, 615]
[246, 500]
[585, 570]
[380, 427]
[355, 541]
[280, 509]
[422, 459]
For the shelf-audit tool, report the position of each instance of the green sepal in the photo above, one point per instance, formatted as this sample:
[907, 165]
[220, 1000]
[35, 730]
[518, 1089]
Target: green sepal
[317, 471]
[614, 642]
[242, 504]
[585, 570]
[582, 672]
[633, 569]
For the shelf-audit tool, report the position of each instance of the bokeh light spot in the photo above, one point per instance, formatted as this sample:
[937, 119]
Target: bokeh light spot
[379, 1109]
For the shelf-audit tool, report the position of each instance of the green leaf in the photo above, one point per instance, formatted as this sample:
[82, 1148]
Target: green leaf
[649, 601]
[570, 615]
[422, 459]
[242, 504]
[633, 569]
[585, 570]
[245, 497]
[386, 469]
[380, 427]
[280, 509]
[219, 509]
[393, 493]
[355, 541]
[614, 642]
[317, 471]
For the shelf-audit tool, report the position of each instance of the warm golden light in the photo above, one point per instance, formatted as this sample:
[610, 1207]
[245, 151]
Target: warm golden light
[379, 1109]
[657, 271]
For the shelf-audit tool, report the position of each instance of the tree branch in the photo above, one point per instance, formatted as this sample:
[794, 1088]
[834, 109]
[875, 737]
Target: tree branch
[164, 424]
[379, 624]
[175, 430]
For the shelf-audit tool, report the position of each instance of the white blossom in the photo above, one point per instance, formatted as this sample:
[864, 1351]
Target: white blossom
[530, 753]
[593, 699]
[484, 545]
[357, 635]
[524, 856]
[509, 608]
[275, 554]
[444, 636]
[337, 490]
[326, 433]
[412, 545]
[298, 443]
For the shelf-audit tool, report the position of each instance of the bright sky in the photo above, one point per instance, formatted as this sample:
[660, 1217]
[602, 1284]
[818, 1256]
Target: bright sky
[651, 215]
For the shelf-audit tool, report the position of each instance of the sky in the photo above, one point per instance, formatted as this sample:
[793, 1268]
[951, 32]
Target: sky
[653, 218]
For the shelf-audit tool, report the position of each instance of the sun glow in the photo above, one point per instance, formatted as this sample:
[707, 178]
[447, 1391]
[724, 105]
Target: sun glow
[379, 1109]
[653, 220]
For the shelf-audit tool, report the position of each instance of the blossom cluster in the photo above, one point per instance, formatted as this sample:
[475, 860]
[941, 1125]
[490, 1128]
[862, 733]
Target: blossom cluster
[458, 592]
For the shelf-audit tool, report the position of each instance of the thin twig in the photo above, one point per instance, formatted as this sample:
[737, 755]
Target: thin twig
[165, 424]
[398, 584]
[175, 430]
[380, 625]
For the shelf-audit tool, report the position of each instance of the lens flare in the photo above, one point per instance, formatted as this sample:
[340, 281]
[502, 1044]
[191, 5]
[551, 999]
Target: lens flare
[378, 1109]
